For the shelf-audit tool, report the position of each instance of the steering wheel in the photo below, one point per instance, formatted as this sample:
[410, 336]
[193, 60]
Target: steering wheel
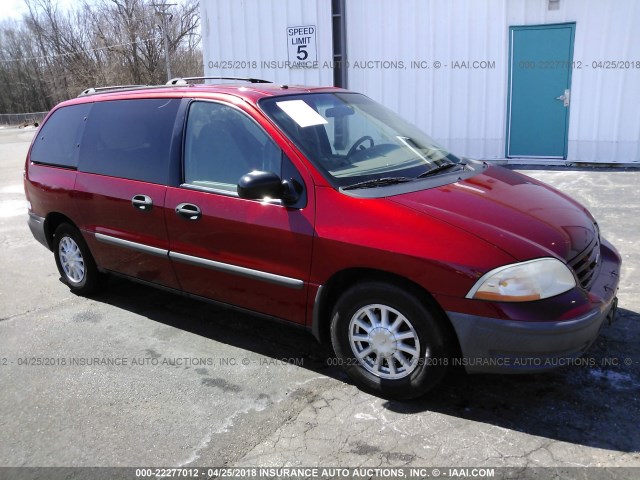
[359, 143]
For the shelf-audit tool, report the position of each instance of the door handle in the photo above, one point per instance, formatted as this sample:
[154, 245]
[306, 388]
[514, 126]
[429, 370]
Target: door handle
[565, 98]
[189, 211]
[142, 202]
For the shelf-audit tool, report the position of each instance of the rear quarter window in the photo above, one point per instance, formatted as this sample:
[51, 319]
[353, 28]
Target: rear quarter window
[130, 139]
[58, 141]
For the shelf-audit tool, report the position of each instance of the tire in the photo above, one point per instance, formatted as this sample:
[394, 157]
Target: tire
[408, 347]
[74, 261]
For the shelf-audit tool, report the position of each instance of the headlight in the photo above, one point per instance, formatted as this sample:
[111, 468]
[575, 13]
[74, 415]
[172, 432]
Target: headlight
[524, 282]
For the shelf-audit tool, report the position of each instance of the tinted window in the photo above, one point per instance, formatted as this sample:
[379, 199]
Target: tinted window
[222, 144]
[58, 139]
[130, 139]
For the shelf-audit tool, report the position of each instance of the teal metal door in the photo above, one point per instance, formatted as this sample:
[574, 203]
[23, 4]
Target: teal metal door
[540, 67]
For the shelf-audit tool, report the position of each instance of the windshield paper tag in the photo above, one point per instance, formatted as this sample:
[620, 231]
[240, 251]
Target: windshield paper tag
[302, 114]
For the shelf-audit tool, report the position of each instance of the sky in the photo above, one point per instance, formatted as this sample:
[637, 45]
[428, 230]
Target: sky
[13, 9]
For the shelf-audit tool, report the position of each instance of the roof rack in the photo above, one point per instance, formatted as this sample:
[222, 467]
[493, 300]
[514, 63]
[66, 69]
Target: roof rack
[179, 81]
[92, 90]
[186, 80]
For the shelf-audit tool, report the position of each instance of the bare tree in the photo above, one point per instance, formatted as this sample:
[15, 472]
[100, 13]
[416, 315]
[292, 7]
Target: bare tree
[53, 54]
[134, 28]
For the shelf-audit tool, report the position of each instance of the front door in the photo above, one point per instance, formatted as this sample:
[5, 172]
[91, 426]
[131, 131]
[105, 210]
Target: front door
[248, 253]
[540, 68]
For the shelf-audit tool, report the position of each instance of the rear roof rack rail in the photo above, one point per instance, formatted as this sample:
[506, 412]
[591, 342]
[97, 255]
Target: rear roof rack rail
[186, 80]
[179, 81]
[92, 90]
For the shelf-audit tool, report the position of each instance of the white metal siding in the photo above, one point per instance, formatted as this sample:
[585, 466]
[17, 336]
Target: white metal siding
[256, 31]
[466, 109]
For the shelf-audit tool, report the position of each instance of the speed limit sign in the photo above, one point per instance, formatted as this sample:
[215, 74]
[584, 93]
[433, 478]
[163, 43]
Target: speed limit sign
[301, 44]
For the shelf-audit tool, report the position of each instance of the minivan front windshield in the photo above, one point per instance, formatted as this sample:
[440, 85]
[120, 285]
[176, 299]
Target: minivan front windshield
[355, 141]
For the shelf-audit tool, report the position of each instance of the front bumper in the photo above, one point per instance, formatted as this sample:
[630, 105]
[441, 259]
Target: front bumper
[491, 345]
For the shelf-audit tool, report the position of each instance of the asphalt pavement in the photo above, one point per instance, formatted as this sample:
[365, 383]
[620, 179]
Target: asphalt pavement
[139, 377]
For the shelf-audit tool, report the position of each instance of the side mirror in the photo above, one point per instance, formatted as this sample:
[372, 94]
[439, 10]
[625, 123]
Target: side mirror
[258, 185]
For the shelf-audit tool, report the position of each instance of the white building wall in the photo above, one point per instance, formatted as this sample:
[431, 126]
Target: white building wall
[465, 109]
[255, 32]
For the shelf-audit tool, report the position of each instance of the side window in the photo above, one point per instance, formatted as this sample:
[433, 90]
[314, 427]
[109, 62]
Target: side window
[130, 139]
[59, 138]
[222, 144]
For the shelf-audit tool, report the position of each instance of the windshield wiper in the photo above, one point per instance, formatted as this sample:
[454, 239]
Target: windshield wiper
[378, 182]
[440, 168]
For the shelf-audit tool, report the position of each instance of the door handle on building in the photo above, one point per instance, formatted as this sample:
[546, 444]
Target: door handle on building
[565, 97]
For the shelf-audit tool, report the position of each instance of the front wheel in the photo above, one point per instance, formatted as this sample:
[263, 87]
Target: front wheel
[389, 341]
[74, 261]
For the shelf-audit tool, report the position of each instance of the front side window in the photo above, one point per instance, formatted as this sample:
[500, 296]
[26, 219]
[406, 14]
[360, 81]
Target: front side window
[354, 139]
[222, 144]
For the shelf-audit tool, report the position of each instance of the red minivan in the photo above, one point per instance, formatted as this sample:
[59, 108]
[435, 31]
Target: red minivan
[323, 208]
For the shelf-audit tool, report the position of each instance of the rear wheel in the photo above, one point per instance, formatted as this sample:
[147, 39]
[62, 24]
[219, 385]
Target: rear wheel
[389, 341]
[74, 261]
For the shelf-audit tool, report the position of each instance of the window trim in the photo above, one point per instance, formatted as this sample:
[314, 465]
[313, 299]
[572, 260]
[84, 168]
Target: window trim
[202, 188]
[227, 193]
[53, 165]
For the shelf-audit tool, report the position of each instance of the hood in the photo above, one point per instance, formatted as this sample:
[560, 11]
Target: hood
[523, 217]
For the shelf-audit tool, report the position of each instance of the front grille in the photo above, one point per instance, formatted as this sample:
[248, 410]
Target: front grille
[584, 265]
